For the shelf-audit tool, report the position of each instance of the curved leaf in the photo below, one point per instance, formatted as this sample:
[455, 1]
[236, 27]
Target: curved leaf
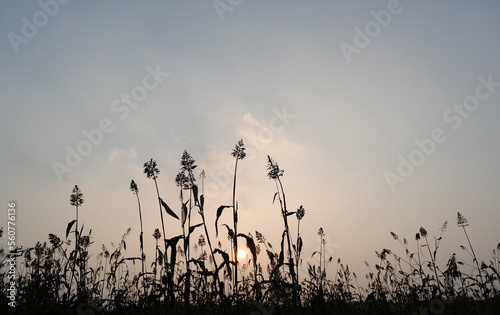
[274, 198]
[191, 228]
[251, 246]
[69, 227]
[133, 258]
[230, 231]
[219, 212]
[226, 262]
[195, 194]
[299, 244]
[184, 213]
[167, 209]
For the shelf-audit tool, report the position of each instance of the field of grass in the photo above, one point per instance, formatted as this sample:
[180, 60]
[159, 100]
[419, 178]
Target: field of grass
[192, 274]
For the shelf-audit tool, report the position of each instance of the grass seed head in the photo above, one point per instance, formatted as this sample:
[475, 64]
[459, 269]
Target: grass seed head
[76, 198]
[133, 187]
[151, 169]
[301, 211]
[461, 220]
[239, 150]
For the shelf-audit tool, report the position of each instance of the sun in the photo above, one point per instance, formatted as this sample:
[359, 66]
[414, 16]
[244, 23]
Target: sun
[242, 254]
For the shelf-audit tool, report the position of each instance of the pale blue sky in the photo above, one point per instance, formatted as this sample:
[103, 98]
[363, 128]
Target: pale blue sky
[227, 78]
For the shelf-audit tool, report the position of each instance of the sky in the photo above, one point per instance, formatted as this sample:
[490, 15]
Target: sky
[383, 114]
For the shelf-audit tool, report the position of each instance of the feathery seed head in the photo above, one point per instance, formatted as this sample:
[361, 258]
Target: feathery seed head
[239, 150]
[321, 232]
[274, 170]
[423, 232]
[133, 187]
[182, 180]
[157, 234]
[187, 162]
[444, 226]
[201, 240]
[76, 198]
[301, 211]
[151, 169]
[185, 178]
[461, 220]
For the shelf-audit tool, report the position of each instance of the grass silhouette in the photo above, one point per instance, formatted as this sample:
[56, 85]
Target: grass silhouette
[55, 277]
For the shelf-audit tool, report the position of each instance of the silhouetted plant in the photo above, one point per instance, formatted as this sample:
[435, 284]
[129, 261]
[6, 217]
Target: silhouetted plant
[76, 200]
[275, 173]
[185, 180]
[462, 222]
[432, 255]
[135, 191]
[151, 170]
[298, 250]
[238, 154]
[409, 283]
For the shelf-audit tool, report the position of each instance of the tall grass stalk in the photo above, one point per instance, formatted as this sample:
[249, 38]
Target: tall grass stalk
[45, 276]
[201, 212]
[156, 236]
[275, 173]
[238, 154]
[462, 222]
[185, 180]
[432, 255]
[151, 170]
[76, 200]
[299, 214]
[135, 190]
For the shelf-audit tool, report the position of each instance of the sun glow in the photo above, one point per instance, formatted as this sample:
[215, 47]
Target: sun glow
[242, 254]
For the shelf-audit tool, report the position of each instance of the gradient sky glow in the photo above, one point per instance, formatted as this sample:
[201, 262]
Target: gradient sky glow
[274, 74]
